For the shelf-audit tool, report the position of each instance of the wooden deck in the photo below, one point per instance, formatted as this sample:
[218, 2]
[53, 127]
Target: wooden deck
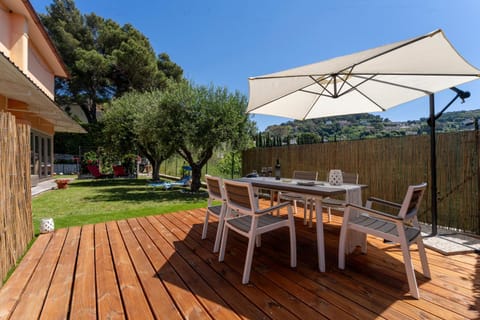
[158, 267]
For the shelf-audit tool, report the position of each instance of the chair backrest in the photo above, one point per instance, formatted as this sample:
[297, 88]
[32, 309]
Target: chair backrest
[118, 171]
[350, 177]
[412, 201]
[94, 170]
[347, 177]
[305, 175]
[215, 187]
[240, 196]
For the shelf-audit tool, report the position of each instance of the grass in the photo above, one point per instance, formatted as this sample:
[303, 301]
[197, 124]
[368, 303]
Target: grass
[94, 201]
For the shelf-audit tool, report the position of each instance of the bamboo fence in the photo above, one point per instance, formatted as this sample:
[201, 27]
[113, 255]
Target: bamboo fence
[389, 165]
[16, 226]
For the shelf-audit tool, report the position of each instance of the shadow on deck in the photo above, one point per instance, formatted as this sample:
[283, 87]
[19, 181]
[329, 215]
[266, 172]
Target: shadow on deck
[158, 267]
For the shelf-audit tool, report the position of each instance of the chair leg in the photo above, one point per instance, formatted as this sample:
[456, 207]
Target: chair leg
[258, 240]
[341, 248]
[248, 260]
[310, 218]
[343, 240]
[205, 225]
[304, 211]
[295, 206]
[407, 259]
[293, 240]
[218, 237]
[221, 256]
[329, 214]
[423, 257]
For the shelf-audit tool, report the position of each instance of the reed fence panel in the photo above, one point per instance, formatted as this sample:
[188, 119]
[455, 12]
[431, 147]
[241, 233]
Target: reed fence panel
[389, 165]
[16, 226]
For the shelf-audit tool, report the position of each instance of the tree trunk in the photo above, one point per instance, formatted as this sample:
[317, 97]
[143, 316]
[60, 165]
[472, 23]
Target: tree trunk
[196, 178]
[155, 170]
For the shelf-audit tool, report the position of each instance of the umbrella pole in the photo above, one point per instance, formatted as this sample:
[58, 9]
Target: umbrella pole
[433, 165]
[433, 149]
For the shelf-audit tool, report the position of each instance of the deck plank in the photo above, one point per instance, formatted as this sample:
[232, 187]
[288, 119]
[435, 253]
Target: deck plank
[185, 300]
[84, 302]
[158, 267]
[57, 302]
[33, 298]
[133, 297]
[13, 289]
[109, 301]
[188, 272]
[159, 300]
[158, 296]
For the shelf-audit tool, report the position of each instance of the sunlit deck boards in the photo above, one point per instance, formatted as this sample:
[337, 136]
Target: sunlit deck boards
[157, 267]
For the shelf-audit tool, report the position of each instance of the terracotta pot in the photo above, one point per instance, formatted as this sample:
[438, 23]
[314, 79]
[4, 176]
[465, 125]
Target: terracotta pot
[62, 184]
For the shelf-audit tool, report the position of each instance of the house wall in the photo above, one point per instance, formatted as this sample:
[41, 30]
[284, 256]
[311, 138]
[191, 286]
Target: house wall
[18, 40]
[4, 31]
[17, 44]
[39, 72]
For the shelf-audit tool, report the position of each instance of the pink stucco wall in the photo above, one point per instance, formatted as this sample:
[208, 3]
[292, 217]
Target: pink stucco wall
[17, 44]
[39, 72]
[4, 32]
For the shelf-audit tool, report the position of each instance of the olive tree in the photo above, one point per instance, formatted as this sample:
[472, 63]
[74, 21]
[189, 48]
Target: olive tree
[205, 118]
[137, 123]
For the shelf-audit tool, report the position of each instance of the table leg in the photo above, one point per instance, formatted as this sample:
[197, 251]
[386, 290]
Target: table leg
[320, 238]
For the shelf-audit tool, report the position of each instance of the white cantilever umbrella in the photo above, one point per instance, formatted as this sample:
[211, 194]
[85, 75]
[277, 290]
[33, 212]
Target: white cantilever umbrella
[368, 81]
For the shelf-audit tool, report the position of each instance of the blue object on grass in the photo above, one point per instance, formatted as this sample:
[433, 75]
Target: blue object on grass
[167, 185]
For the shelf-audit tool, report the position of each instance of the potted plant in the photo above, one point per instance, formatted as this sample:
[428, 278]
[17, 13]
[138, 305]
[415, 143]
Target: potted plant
[62, 183]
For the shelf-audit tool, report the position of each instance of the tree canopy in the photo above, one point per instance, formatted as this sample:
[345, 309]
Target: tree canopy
[191, 120]
[207, 117]
[137, 123]
[105, 60]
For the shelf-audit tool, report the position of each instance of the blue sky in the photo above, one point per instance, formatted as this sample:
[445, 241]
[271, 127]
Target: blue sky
[223, 42]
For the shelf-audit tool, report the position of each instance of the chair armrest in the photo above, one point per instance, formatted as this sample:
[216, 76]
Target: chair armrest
[375, 213]
[385, 202]
[270, 209]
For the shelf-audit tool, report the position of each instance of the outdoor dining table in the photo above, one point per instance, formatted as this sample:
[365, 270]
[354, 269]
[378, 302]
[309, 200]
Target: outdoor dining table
[317, 190]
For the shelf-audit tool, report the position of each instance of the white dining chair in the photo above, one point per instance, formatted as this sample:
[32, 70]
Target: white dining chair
[252, 222]
[402, 228]
[215, 193]
[330, 203]
[296, 198]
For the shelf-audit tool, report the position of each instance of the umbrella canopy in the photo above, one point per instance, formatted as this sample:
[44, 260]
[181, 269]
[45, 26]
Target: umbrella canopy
[368, 81]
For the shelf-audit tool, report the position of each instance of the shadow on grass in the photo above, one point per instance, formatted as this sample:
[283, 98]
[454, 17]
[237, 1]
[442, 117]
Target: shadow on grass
[133, 190]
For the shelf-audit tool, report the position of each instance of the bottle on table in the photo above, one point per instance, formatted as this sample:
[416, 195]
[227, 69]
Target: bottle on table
[277, 170]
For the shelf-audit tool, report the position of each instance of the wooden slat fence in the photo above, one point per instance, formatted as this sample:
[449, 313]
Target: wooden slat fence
[389, 165]
[16, 226]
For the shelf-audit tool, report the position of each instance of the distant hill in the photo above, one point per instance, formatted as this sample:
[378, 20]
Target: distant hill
[360, 126]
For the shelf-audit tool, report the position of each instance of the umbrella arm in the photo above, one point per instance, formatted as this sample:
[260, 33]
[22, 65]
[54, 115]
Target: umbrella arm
[460, 94]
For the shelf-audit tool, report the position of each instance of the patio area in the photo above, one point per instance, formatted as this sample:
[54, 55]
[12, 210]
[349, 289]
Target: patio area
[158, 267]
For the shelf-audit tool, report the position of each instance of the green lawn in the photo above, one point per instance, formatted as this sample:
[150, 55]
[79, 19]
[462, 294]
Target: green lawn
[92, 201]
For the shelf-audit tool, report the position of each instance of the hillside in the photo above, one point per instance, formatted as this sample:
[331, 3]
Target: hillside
[362, 126]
